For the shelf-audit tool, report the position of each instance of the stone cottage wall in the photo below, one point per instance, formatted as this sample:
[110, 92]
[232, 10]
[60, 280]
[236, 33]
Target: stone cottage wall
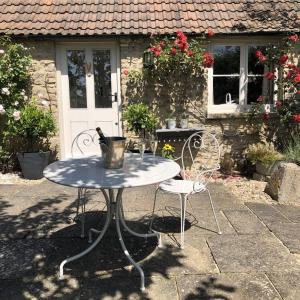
[44, 76]
[232, 132]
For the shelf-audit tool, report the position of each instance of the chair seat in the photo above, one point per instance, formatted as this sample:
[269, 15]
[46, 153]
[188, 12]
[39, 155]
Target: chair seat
[182, 186]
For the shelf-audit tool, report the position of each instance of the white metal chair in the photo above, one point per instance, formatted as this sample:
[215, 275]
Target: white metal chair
[85, 143]
[200, 159]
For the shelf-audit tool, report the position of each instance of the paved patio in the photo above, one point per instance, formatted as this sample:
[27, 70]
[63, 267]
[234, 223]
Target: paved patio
[257, 257]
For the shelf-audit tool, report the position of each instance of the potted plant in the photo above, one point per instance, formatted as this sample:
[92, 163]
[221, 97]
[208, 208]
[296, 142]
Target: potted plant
[184, 121]
[28, 131]
[140, 119]
[265, 158]
[171, 121]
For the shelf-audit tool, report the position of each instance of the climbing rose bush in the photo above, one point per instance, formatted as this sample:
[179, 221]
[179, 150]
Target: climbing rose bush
[180, 53]
[280, 110]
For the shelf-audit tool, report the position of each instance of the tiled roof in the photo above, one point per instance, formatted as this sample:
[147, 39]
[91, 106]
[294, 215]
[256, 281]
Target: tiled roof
[98, 17]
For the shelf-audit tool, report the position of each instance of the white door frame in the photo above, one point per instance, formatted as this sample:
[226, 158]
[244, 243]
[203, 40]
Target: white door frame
[60, 47]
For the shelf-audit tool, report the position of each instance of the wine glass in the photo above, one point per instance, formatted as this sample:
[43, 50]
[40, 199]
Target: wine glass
[142, 148]
[153, 146]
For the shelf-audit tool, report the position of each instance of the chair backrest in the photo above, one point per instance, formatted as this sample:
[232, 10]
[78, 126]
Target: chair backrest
[86, 143]
[200, 156]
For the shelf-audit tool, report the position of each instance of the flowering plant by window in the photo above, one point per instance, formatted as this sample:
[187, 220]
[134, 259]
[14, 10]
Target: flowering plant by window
[280, 110]
[179, 53]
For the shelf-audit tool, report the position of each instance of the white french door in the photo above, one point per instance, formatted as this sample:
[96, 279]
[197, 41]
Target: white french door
[88, 90]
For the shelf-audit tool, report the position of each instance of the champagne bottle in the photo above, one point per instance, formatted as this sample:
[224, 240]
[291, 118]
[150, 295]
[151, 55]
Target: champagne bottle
[102, 138]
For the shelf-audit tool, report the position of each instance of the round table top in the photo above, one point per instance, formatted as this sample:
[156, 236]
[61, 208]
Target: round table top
[88, 172]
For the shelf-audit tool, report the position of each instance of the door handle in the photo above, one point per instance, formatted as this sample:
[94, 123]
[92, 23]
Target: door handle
[115, 97]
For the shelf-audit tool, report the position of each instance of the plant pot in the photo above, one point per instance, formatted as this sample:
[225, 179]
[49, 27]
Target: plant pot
[33, 164]
[266, 169]
[184, 123]
[171, 123]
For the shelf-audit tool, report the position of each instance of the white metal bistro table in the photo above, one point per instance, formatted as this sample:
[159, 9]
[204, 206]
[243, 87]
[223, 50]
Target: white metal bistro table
[89, 173]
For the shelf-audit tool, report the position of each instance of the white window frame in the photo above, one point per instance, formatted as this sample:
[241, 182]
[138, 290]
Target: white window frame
[217, 109]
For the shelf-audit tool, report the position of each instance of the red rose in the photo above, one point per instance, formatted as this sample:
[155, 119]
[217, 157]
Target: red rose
[258, 53]
[190, 53]
[208, 60]
[278, 103]
[181, 36]
[298, 92]
[296, 118]
[173, 51]
[293, 38]
[260, 99]
[297, 78]
[270, 75]
[126, 72]
[162, 44]
[183, 46]
[262, 58]
[266, 116]
[210, 32]
[283, 58]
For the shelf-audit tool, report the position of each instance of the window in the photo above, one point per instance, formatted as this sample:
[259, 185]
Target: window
[236, 79]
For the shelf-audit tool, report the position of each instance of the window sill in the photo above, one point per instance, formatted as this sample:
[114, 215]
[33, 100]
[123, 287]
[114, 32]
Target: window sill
[226, 115]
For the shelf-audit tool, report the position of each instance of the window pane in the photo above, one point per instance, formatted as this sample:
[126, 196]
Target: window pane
[254, 89]
[254, 67]
[259, 86]
[226, 88]
[102, 78]
[227, 59]
[77, 81]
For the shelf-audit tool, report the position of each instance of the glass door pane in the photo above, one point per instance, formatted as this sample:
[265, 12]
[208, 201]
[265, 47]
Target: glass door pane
[102, 78]
[76, 63]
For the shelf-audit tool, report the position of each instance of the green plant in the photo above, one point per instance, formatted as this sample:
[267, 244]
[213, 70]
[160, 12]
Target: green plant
[140, 119]
[30, 128]
[292, 151]
[168, 151]
[262, 153]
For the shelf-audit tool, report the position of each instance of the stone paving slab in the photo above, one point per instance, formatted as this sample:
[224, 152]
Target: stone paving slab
[291, 212]
[287, 284]
[267, 213]
[245, 222]
[104, 288]
[251, 253]
[238, 286]
[288, 233]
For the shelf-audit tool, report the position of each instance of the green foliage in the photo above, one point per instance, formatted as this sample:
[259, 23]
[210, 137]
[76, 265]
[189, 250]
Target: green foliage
[292, 151]
[139, 118]
[15, 62]
[33, 128]
[262, 153]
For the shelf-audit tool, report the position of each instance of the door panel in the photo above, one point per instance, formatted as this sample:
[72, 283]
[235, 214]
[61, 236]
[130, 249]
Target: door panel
[89, 83]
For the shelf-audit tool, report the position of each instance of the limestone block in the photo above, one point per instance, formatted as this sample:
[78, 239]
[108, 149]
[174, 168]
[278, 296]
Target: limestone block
[284, 184]
[266, 170]
[260, 177]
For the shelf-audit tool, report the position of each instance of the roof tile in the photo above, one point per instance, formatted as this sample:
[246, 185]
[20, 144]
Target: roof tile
[90, 17]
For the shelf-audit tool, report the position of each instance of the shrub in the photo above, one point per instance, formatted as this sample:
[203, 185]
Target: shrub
[292, 151]
[30, 128]
[140, 119]
[262, 153]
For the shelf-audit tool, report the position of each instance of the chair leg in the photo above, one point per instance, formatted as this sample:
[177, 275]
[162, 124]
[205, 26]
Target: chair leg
[153, 209]
[183, 199]
[213, 209]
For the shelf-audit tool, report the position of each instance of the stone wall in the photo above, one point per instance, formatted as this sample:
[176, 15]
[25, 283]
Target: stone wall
[44, 76]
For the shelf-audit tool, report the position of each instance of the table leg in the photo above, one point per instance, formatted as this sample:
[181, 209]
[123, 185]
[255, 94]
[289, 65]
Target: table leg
[131, 260]
[89, 249]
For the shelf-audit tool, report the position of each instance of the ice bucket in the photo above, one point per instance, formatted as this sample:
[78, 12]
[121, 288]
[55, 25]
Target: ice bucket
[113, 149]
